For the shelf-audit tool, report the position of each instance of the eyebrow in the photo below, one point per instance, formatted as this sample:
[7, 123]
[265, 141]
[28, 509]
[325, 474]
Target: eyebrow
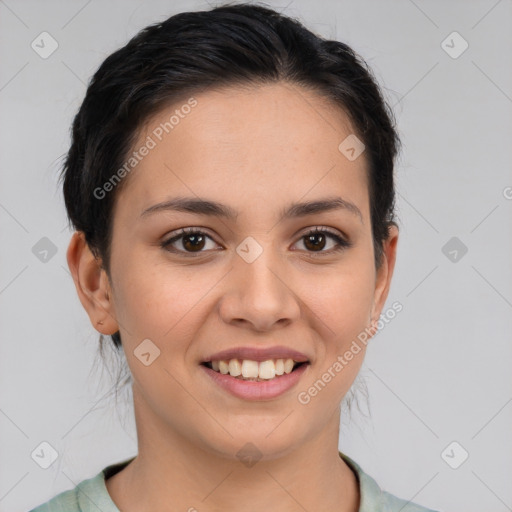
[200, 206]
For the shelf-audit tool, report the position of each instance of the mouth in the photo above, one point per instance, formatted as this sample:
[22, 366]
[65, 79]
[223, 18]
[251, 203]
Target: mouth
[255, 371]
[248, 379]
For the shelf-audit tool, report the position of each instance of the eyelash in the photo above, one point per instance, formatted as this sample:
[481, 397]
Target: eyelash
[341, 243]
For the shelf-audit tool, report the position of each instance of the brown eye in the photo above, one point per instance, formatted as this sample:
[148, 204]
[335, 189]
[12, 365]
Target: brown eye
[316, 240]
[191, 240]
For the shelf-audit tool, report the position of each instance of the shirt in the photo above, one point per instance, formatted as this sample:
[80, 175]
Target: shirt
[92, 496]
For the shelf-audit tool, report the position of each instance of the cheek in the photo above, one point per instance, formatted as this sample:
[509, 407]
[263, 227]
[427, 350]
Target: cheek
[159, 300]
[343, 305]
[163, 304]
[343, 301]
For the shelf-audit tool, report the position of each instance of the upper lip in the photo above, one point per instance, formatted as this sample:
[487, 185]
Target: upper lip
[258, 354]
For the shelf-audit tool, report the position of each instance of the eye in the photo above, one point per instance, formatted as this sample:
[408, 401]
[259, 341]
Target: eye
[315, 241]
[192, 240]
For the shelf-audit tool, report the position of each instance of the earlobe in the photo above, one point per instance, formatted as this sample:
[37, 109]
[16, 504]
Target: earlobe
[92, 284]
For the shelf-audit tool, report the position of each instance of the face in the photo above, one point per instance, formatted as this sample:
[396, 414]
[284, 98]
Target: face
[254, 280]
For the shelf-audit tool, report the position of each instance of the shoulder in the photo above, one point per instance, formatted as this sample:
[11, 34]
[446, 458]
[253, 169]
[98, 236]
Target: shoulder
[374, 499]
[84, 497]
[89, 495]
[390, 503]
[64, 502]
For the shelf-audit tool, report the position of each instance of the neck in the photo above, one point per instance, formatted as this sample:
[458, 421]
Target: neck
[171, 469]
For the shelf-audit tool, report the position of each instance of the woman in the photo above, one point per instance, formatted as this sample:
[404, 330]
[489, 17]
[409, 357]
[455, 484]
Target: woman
[230, 183]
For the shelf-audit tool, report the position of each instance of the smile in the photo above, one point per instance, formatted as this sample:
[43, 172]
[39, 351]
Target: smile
[247, 369]
[253, 386]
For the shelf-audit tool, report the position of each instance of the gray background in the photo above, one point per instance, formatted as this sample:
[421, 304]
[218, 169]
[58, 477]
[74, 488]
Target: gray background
[438, 373]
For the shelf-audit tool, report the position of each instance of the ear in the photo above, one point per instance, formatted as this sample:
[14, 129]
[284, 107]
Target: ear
[92, 285]
[384, 273]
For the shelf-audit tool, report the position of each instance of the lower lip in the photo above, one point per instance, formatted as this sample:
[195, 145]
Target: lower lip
[252, 390]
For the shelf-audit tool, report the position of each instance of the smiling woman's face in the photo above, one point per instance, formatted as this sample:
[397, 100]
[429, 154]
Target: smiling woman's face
[253, 280]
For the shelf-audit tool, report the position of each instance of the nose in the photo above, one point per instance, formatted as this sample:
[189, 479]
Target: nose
[259, 295]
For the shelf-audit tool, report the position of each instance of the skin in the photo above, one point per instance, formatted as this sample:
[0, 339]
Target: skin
[257, 151]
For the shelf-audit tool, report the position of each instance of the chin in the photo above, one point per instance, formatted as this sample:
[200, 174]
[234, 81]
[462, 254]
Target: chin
[258, 442]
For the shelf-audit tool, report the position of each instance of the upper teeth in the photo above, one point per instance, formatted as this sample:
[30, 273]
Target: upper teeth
[252, 369]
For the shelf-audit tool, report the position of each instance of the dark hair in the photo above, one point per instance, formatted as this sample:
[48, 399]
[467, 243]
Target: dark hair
[238, 44]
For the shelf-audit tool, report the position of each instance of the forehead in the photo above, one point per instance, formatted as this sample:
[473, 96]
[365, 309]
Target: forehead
[258, 145]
